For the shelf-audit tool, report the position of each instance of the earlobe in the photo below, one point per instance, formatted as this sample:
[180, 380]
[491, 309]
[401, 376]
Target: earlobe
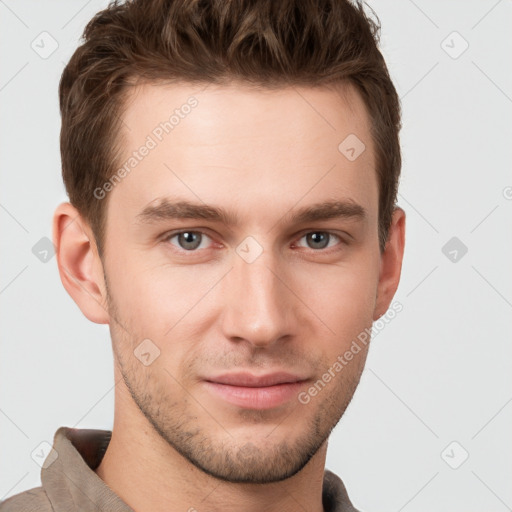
[391, 263]
[80, 267]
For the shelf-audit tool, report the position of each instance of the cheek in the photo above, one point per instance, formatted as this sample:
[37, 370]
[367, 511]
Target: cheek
[159, 301]
[343, 298]
[141, 296]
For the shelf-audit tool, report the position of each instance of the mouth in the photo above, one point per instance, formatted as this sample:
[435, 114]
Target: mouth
[256, 392]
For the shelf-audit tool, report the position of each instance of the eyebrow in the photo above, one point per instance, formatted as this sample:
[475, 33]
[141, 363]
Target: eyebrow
[164, 209]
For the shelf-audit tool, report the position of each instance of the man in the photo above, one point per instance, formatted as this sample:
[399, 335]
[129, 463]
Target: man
[232, 169]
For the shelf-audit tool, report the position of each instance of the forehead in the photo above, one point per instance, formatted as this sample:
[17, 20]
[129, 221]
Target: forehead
[249, 147]
[247, 107]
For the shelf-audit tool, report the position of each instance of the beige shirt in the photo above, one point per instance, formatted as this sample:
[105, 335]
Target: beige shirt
[70, 484]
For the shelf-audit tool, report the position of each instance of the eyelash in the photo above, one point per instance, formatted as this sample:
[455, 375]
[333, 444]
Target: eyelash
[168, 236]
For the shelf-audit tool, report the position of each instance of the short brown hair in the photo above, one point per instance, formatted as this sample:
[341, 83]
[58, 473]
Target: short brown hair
[265, 43]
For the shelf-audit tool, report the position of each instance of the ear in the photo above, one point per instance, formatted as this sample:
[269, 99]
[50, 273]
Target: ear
[390, 263]
[80, 267]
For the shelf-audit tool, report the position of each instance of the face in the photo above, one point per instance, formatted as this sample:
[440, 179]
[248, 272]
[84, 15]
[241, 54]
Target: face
[242, 252]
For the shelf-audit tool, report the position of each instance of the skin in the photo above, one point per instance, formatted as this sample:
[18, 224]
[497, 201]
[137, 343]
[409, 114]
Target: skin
[262, 155]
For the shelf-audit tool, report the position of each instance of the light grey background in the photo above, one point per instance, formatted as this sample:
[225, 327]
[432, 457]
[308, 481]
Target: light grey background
[438, 373]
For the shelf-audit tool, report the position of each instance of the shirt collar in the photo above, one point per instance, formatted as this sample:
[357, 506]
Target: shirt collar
[70, 481]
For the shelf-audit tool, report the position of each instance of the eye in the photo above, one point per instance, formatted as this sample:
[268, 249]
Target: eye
[320, 239]
[188, 240]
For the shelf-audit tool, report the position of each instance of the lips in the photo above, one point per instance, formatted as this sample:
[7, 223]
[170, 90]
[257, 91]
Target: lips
[255, 381]
[248, 391]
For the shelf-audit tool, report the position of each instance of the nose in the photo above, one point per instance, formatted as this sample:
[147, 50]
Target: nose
[258, 307]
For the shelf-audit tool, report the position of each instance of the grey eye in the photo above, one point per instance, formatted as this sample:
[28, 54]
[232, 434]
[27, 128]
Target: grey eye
[318, 239]
[189, 240]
